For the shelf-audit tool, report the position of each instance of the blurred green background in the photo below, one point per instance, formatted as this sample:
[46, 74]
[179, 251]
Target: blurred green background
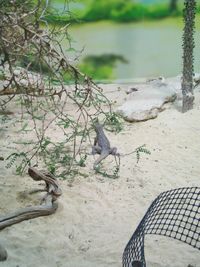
[120, 40]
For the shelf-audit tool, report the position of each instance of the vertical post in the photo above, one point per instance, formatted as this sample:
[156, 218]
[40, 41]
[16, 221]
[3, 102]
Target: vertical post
[188, 46]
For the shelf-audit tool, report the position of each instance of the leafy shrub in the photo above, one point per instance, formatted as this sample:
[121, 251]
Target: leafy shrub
[129, 12]
[101, 67]
[117, 10]
[103, 9]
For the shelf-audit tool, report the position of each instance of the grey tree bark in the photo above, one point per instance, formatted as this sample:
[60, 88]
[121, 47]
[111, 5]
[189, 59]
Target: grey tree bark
[188, 46]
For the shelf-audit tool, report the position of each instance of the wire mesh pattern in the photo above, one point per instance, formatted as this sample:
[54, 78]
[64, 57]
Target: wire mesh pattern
[174, 213]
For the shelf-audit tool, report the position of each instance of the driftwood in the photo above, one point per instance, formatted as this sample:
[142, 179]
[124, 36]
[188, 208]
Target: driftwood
[47, 207]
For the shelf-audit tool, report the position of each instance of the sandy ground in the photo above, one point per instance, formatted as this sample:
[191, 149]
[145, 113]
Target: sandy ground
[96, 215]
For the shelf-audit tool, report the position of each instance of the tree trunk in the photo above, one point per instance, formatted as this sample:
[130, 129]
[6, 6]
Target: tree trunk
[173, 5]
[188, 46]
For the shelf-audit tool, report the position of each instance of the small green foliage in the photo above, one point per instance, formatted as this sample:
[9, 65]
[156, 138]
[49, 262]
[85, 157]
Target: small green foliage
[21, 167]
[22, 159]
[141, 149]
[71, 174]
[54, 153]
[114, 175]
[52, 168]
[100, 99]
[2, 74]
[113, 122]
[116, 172]
[12, 158]
[60, 160]
[24, 142]
[4, 119]
[65, 123]
[44, 143]
[82, 161]
[24, 128]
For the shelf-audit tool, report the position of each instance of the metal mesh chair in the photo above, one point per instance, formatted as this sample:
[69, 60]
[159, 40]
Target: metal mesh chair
[174, 213]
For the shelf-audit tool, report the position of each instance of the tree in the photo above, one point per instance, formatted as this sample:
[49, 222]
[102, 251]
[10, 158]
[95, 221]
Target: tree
[35, 70]
[173, 5]
[188, 46]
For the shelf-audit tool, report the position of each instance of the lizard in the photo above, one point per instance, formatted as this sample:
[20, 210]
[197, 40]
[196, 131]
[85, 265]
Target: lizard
[102, 145]
[103, 148]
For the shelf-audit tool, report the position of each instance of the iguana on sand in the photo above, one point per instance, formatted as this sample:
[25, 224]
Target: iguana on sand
[102, 145]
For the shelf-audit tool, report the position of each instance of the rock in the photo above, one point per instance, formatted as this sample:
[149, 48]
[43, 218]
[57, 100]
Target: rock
[148, 101]
[3, 253]
[131, 90]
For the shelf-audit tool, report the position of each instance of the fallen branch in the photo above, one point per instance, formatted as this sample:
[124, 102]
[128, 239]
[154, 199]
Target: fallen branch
[48, 207]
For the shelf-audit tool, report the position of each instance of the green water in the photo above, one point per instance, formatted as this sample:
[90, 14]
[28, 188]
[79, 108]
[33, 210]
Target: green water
[152, 48]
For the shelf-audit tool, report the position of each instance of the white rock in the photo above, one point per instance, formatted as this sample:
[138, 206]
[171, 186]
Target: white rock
[148, 101]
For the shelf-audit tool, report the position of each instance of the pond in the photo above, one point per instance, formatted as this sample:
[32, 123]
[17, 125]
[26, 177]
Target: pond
[151, 48]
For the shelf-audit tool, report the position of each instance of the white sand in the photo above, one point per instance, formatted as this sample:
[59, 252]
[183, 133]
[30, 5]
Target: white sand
[97, 216]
